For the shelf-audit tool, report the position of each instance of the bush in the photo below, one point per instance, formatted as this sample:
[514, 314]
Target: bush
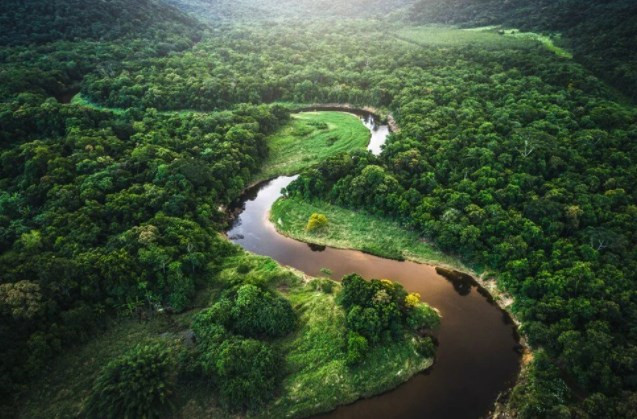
[220, 313]
[316, 221]
[365, 321]
[324, 285]
[137, 384]
[248, 373]
[259, 312]
[356, 348]
[422, 316]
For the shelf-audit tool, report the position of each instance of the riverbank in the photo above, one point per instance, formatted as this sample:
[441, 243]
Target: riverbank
[317, 377]
[379, 236]
[310, 138]
[381, 115]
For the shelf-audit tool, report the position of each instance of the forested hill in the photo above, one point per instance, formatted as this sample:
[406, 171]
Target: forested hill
[276, 9]
[41, 21]
[47, 48]
[602, 34]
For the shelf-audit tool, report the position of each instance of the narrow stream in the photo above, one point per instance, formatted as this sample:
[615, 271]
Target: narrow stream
[476, 357]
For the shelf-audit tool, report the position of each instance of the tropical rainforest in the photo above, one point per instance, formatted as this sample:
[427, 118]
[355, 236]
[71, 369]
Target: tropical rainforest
[128, 128]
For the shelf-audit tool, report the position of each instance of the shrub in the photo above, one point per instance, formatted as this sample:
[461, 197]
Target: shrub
[243, 268]
[326, 271]
[248, 373]
[412, 299]
[356, 348]
[422, 317]
[323, 285]
[365, 321]
[259, 312]
[356, 291]
[316, 221]
[137, 384]
[219, 313]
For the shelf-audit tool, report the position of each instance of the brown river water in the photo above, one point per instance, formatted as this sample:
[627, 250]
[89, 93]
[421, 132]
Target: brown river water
[476, 358]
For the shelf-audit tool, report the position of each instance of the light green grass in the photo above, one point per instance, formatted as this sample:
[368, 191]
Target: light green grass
[349, 229]
[492, 37]
[317, 378]
[449, 36]
[545, 40]
[79, 100]
[309, 138]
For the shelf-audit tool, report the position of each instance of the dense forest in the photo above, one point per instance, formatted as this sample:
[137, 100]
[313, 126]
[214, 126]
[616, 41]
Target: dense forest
[510, 157]
[602, 34]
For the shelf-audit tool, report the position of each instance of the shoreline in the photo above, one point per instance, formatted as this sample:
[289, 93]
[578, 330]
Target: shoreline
[484, 282]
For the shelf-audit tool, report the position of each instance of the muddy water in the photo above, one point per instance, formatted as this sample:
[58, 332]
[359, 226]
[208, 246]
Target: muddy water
[476, 357]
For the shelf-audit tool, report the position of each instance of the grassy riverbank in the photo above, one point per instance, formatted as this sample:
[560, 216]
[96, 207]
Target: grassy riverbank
[317, 378]
[349, 229]
[310, 138]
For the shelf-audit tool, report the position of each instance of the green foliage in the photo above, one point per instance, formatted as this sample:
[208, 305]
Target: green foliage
[426, 347]
[309, 138]
[245, 372]
[316, 222]
[350, 229]
[600, 33]
[318, 352]
[379, 311]
[356, 348]
[137, 384]
[421, 316]
[106, 20]
[258, 312]
[248, 373]
[509, 156]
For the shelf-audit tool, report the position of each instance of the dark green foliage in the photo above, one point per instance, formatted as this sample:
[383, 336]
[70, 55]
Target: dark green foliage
[245, 372]
[137, 384]
[601, 33]
[248, 372]
[259, 312]
[543, 393]
[422, 317]
[365, 322]
[378, 310]
[356, 348]
[426, 346]
[511, 157]
[109, 212]
[251, 10]
[250, 311]
[525, 169]
[40, 21]
[323, 285]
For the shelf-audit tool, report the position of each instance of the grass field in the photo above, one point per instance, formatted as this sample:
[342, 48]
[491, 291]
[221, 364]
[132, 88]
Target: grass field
[493, 37]
[449, 36]
[310, 138]
[542, 39]
[317, 378]
[355, 230]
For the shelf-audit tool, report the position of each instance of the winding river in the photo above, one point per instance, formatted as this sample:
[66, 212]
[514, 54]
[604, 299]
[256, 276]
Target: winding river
[476, 358]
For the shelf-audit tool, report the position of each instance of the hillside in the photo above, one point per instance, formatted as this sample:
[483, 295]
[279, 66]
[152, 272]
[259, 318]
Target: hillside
[250, 10]
[41, 21]
[602, 34]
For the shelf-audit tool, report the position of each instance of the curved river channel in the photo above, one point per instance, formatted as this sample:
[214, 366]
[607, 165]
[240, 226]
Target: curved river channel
[476, 358]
